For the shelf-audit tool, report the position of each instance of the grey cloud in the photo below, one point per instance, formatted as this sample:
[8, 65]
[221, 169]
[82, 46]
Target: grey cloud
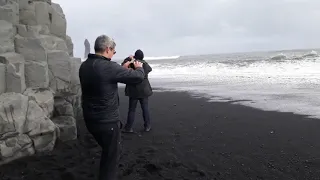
[166, 27]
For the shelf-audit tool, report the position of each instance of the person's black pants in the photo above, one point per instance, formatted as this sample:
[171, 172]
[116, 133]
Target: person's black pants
[132, 111]
[108, 137]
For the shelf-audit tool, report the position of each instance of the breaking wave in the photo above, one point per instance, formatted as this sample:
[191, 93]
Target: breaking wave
[282, 56]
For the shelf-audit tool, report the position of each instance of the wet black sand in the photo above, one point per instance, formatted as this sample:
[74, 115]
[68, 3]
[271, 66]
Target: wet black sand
[191, 139]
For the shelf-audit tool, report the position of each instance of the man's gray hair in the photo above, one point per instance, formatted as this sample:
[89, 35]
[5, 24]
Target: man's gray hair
[103, 42]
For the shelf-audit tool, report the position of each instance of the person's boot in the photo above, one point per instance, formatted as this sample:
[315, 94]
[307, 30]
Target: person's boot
[147, 128]
[127, 130]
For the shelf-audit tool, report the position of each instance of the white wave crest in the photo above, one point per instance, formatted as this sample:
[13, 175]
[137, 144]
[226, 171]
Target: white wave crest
[282, 56]
[311, 54]
[279, 57]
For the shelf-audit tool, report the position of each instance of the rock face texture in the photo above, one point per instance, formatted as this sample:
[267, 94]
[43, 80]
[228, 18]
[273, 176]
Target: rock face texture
[39, 84]
[86, 48]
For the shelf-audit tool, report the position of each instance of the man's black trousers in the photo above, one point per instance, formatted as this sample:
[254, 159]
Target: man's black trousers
[108, 136]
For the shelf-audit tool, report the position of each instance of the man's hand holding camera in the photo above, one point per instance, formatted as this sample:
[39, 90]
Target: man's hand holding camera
[135, 63]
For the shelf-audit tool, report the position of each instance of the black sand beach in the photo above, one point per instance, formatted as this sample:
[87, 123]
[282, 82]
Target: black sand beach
[191, 139]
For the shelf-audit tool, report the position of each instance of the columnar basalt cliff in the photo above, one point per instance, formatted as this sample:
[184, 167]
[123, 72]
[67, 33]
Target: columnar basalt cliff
[39, 85]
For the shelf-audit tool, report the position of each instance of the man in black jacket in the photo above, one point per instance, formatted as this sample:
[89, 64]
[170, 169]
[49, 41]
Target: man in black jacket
[139, 92]
[99, 78]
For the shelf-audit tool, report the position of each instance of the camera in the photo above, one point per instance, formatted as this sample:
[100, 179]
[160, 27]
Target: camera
[131, 65]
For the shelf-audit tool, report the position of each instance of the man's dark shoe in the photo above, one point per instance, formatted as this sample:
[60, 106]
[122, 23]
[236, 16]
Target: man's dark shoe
[147, 129]
[126, 130]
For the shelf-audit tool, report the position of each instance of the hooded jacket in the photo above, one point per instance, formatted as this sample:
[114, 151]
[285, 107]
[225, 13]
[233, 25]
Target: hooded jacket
[142, 89]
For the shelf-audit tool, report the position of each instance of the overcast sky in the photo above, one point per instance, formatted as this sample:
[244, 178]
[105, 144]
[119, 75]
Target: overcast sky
[185, 27]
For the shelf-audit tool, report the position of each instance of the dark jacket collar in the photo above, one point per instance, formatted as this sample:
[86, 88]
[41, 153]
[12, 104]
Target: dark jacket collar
[96, 56]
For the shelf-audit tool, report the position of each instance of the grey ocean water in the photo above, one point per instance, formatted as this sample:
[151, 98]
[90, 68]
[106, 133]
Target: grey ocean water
[286, 81]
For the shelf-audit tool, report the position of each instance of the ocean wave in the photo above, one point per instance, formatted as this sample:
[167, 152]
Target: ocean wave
[267, 69]
[282, 56]
[311, 54]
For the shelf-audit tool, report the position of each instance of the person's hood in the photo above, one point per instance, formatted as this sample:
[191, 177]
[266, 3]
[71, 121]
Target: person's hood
[139, 55]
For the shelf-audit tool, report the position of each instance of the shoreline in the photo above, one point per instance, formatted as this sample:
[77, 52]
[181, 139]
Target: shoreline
[211, 98]
[191, 139]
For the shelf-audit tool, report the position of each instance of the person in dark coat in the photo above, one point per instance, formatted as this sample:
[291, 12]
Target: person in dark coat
[139, 92]
[99, 78]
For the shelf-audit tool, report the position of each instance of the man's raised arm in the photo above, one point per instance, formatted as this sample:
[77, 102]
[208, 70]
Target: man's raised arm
[127, 76]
